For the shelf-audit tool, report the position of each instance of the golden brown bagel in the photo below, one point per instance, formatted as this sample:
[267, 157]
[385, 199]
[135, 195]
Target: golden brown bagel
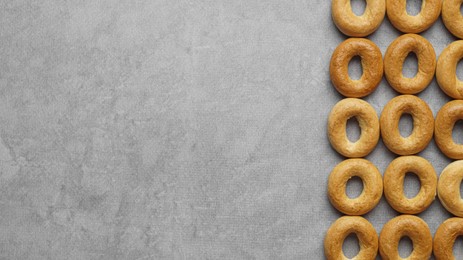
[446, 72]
[446, 118]
[448, 188]
[445, 237]
[452, 17]
[405, 226]
[372, 186]
[354, 25]
[395, 56]
[400, 19]
[369, 125]
[423, 125]
[343, 227]
[394, 184]
[372, 64]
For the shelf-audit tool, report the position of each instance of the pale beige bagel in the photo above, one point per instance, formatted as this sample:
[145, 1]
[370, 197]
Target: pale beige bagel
[372, 186]
[400, 19]
[448, 188]
[394, 59]
[369, 125]
[446, 118]
[423, 125]
[446, 72]
[405, 226]
[452, 17]
[372, 64]
[445, 237]
[394, 184]
[343, 227]
[354, 25]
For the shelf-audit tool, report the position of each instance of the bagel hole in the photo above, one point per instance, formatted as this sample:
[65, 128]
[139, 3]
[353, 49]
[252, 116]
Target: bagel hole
[350, 246]
[460, 69]
[354, 187]
[457, 133]
[412, 185]
[405, 247]
[406, 125]
[410, 66]
[461, 189]
[355, 68]
[358, 6]
[458, 248]
[414, 7]
[353, 129]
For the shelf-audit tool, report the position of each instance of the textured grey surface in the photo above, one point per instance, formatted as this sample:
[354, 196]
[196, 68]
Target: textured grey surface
[174, 129]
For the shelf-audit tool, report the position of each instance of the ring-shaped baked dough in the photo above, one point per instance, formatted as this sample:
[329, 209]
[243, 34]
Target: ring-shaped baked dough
[446, 72]
[368, 122]
[395, 57]
[358, 25]
[405, 226]
[445, 237]
[372, 186]
[400, 19]
[372, 64]
[343, 227]
[452, 17]
[394, 184]
[448, 188]
[446, 118]
[423, 125]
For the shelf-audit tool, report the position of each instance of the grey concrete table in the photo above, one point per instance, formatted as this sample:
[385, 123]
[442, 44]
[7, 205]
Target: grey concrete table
[176, 129]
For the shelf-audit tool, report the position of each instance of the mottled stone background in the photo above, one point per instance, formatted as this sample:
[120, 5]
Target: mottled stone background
[175, 129]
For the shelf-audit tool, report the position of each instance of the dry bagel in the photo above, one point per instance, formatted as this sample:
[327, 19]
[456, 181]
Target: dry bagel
[394, 184]
[343, 227]
[369, 125]
[405, 226]
[354, 25]
[423, 125]
[446, 118]
[445, 237]
[372, 186]
[372, 64]
[452, 17]
[448, 188]
[395, 56]
[400, 19]
[446, 72]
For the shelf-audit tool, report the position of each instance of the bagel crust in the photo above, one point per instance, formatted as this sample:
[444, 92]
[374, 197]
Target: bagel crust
[343, 227]
[394, 184]
[405, 226]
[452, 17]
[446, 118]
[445, 237]
[358, 26]
[448, 188]
[446, 72]
[423, 125]
[372, 186]
[372, 64]
[402, 21]
[368, 122]
[395, 57]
